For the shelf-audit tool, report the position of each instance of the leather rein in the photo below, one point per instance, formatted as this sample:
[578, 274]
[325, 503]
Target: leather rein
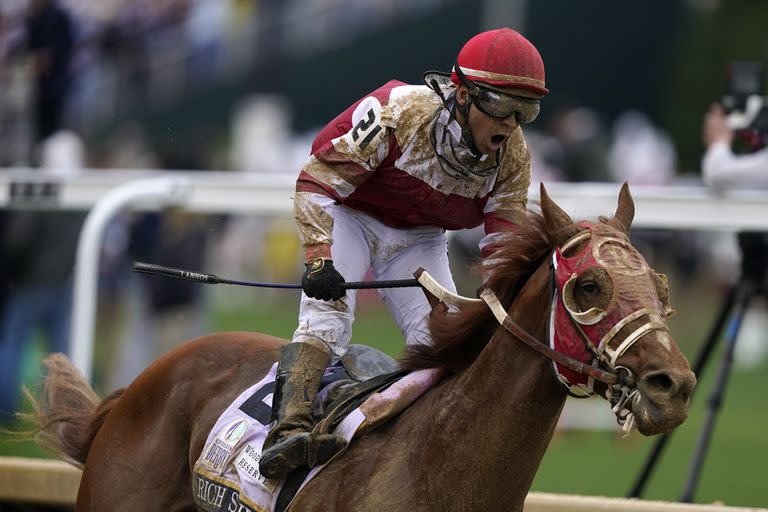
[489, 298]
[606, 377]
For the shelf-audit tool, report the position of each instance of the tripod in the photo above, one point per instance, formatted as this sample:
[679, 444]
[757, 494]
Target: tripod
[754, 250]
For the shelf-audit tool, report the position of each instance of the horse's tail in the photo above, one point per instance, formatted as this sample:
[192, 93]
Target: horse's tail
[68, 413]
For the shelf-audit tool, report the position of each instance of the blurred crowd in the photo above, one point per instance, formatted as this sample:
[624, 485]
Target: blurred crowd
[142, 53]
[67, 64]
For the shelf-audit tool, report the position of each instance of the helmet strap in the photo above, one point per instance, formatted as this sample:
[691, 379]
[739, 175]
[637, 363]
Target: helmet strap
[466, 133]
[435, 86]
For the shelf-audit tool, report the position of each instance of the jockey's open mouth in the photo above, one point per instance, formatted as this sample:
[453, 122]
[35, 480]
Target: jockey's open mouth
[498, 139]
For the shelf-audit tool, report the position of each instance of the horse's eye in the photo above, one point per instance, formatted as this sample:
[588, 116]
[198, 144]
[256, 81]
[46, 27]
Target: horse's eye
[589, 287]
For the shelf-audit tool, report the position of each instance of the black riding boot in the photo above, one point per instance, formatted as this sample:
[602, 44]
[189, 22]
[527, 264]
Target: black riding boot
[290, 443]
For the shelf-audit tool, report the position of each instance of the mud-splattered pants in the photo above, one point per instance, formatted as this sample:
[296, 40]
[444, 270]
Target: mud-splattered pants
[361, 242]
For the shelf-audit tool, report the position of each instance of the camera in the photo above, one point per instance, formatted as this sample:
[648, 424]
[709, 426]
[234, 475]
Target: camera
[745, 102]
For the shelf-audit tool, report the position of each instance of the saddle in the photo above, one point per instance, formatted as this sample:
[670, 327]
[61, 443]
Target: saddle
[362, 371]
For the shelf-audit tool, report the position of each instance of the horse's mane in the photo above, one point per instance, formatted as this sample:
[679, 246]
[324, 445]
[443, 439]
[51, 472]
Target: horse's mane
[458, 338]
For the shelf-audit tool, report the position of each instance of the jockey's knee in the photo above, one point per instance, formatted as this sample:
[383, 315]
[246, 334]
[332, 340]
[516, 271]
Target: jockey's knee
[336, 346]
[314, 341]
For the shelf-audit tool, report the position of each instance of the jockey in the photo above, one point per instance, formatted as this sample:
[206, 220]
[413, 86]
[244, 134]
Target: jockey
[384, 181]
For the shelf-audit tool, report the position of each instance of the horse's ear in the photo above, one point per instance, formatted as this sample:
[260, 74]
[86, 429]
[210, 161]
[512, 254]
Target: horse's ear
[555, 219]
[625, 212]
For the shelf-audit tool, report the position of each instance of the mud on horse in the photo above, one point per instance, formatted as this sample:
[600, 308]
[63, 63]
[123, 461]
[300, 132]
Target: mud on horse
[472, 442]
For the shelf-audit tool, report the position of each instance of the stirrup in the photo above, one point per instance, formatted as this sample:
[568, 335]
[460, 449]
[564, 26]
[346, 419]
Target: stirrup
[298, 450]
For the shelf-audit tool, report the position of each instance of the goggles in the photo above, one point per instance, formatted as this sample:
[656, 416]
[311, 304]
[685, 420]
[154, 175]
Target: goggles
[498, 104]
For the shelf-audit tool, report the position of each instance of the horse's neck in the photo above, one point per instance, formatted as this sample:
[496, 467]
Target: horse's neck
[509, 403]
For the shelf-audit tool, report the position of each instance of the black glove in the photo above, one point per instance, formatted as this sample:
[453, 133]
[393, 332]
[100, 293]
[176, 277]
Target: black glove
[322, 281]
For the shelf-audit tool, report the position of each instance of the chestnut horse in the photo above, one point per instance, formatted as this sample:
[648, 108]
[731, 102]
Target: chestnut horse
[472, 442]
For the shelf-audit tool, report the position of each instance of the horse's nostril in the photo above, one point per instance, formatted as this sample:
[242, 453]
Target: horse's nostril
[659, 382]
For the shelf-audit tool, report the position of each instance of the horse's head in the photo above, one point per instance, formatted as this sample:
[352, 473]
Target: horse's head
[611, 307]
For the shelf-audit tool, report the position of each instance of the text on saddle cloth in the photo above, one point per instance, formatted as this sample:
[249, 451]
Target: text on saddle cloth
[226, 475]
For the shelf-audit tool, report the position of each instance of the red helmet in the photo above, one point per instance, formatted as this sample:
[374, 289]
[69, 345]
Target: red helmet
[502, 58]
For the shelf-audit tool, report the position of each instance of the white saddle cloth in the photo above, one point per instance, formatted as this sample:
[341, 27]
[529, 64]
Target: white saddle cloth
[226, 476]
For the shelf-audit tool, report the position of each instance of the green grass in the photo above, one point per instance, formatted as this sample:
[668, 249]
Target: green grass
[602, 463]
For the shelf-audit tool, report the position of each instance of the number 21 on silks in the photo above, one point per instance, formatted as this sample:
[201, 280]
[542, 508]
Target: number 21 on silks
[367, 127]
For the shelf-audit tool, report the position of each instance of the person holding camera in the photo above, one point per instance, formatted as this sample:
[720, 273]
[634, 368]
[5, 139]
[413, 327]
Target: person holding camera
[721, 167]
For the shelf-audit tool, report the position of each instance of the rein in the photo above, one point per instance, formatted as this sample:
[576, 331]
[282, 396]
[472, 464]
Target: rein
[620, 387]
[490, 299]
[511, 326]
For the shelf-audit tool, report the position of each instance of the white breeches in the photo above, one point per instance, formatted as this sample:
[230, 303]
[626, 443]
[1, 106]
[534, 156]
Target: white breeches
[361, 242]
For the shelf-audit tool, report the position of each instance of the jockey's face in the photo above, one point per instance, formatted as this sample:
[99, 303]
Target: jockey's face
[488, 133]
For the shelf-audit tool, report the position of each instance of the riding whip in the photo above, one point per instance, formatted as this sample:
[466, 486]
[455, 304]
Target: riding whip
[199, 277]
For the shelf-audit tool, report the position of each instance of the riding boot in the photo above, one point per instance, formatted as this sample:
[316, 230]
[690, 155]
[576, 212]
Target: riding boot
[290, 443]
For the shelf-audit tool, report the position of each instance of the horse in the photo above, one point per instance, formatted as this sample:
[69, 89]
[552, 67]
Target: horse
[474, 441]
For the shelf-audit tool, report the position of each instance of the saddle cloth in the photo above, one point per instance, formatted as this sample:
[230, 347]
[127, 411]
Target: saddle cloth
[226, 476]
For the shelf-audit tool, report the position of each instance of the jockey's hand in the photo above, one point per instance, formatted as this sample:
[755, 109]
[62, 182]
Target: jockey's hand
[322, 281]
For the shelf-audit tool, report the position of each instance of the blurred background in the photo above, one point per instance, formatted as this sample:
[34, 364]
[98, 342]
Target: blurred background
[244, 85]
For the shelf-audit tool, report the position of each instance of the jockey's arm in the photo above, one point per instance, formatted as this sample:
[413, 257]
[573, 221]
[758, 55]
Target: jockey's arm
[334, 170]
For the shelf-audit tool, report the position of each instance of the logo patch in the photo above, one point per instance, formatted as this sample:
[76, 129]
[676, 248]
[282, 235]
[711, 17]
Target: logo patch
[218, 454]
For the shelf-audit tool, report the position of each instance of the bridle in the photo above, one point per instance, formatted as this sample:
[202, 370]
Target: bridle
[619, 381]
[620, 384]
[605, 376]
